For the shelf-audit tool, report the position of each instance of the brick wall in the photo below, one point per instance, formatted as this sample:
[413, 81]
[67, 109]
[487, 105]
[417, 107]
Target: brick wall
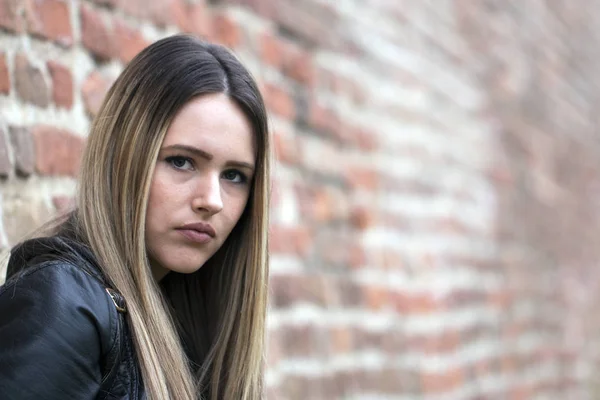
[435, 195]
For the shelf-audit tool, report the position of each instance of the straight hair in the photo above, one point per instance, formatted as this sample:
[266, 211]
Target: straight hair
[199, 334]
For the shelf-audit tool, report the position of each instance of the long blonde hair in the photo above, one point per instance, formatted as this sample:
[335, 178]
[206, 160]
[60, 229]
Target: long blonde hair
[196, 335]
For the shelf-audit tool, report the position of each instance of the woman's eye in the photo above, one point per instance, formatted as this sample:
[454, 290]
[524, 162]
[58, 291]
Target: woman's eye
[234, 176]
[180, 162]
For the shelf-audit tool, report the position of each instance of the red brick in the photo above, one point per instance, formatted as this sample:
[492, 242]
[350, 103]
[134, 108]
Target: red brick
[500, 298]
[193, 18]
[333, 250]
[393, 341]
[341, 253]
[139, 8]
[501, 175]
[415, 303]
[354, 91]
[287, 148]
[97, 36]
[521, 393]
[160, 12]
[323, 119]
[342, 340]
[130, 43]
[481, 368]
[10, 17]
[461, 298]
[375, 297]
[293, 60]
[226, 30]
[287, 290]
[180, 14]
[349, 380]
[391, 259]
[365, 339]
[364, 217]
[298, 64]
[62, 84]
[63, 203]
[365, 139]
[303, 387]
[322, 204]
[309, 20]
[453, 225]
[279, 101]
[50, 19]
[296, 240]
[5, 164]
[442, 382]
[4, 75]
[58, 152]
[271, 50]
[30, 83]
[350, 292]
[445, 342]
[301, 340]
[362, 178]
[381, 380]
[264, 8]
[357, 257]
[94, 90]
[327, 79]
[390, 182]
[23, 150]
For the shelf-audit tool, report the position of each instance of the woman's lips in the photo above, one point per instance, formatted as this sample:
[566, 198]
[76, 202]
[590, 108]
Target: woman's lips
[195, 236]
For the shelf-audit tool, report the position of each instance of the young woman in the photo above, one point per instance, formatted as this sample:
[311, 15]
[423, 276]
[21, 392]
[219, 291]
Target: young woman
[155, 285]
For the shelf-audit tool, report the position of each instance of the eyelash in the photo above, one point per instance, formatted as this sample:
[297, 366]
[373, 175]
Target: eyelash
[172, 159]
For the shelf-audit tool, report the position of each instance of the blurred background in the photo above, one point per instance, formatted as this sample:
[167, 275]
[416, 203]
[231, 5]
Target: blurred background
[434, 225]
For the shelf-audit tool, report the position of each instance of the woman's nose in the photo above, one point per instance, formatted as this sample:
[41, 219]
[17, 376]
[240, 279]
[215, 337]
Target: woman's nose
[208, 195]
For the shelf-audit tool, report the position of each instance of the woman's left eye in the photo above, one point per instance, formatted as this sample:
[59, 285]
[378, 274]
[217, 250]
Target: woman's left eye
[234, 176]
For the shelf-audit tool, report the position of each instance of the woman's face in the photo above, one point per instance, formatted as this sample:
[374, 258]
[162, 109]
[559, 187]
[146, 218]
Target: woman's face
[201, 184]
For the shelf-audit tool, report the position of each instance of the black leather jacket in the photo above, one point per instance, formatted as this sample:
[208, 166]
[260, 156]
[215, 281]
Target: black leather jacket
[61, 334]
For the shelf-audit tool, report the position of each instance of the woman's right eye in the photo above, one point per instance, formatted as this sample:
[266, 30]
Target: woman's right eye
[180, 162]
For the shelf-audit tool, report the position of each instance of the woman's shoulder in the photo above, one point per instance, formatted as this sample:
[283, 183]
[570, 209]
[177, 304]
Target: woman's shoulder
[31, 253]
[57, 324]
[51, 279]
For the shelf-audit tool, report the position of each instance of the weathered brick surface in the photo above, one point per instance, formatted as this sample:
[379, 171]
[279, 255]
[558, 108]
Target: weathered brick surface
[62, 84]
[66, 153]
[195, 18]
[23, 150]
[225, 30]
[30, 83]
[63, 203]
[4, 75]
[434, 222]
[93, 91]
[130, 42]
[50, 19]
[11, 15]
[96, 33]
[5, 164]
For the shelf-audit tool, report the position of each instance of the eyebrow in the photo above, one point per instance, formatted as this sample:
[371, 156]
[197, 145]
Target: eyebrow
[203, 154]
